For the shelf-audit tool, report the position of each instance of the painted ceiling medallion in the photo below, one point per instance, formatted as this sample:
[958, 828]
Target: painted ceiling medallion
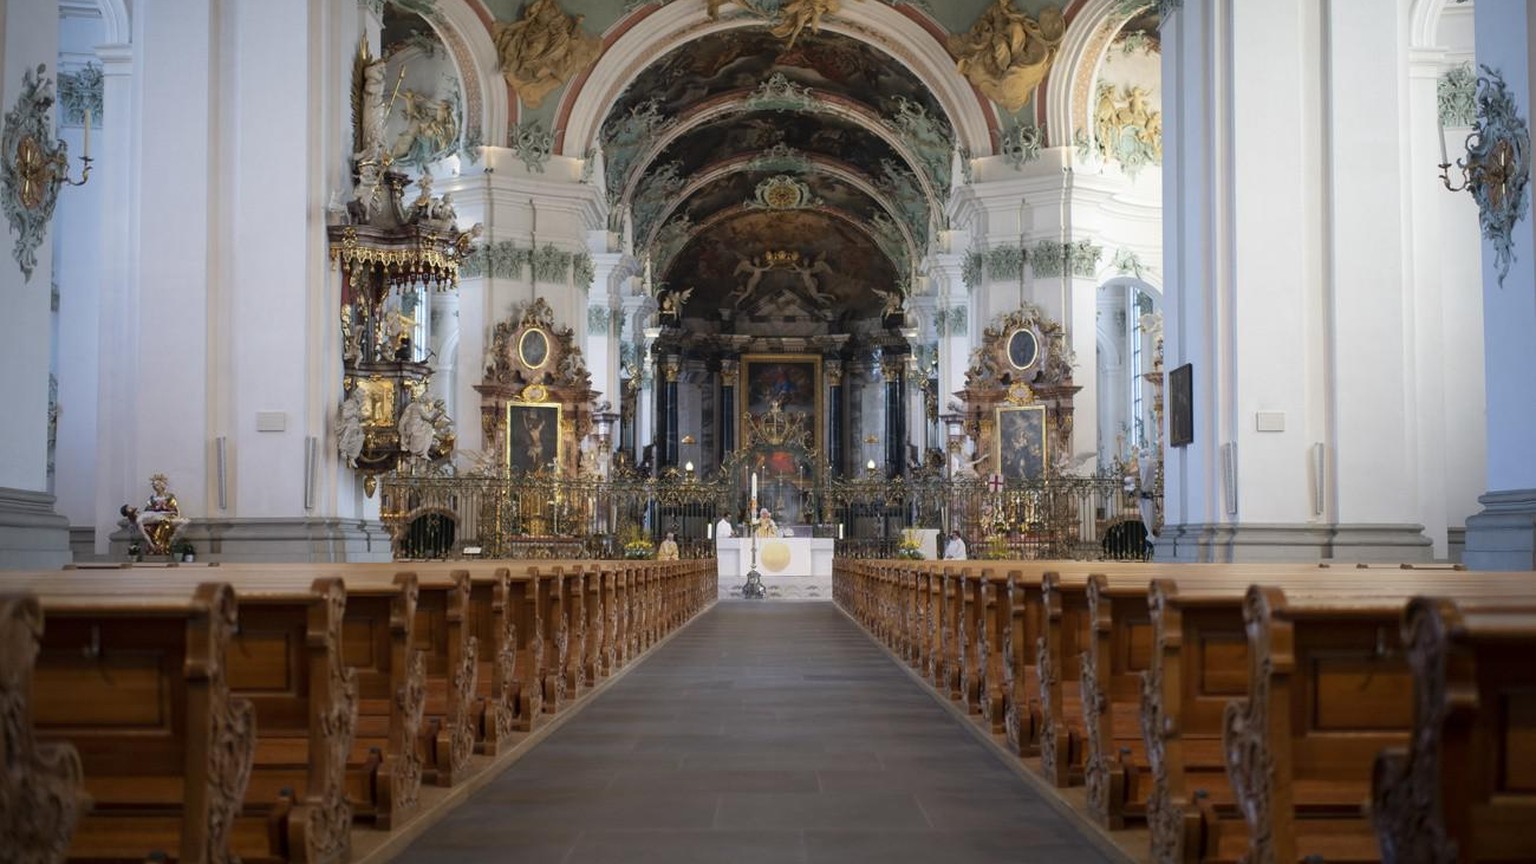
[783, 193]
[1497, 166]
[32, 165]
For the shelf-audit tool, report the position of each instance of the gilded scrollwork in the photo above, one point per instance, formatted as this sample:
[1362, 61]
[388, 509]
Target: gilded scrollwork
[1498, 166]
[40, 784]
[1007, 54]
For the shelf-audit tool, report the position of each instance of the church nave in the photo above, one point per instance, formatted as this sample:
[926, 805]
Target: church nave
[759, 733]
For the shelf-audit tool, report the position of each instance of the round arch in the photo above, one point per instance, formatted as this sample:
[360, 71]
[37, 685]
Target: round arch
[487, 104]
[654, 33]
[116, 22]
[1066, 90]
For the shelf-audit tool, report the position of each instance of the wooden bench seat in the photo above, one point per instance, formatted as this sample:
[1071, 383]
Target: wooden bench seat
[41, 783]
[1329, 688]
[1465, 788]
[138, 685]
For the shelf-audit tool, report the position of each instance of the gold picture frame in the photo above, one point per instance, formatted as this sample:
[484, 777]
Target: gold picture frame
[1021, 445]
[535, 353]
[795, 380]
[532, 443]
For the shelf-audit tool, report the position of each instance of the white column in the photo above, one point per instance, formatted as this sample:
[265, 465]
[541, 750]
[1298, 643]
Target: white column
[31, 534]
[1503, 535]
[117, 346]
[1288, 273]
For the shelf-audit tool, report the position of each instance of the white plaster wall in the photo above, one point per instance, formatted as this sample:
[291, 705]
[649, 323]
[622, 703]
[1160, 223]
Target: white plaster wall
[78, 270]
[1371, 312]
[30, 37]
[175, 256]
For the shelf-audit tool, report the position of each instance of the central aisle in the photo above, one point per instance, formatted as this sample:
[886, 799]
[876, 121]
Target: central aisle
[763, 732]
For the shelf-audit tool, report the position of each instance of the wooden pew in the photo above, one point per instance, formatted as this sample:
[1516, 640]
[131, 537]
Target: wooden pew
[286, 658]
[138, 685]
[1464, 789]
[1329, 687]
[41, 784]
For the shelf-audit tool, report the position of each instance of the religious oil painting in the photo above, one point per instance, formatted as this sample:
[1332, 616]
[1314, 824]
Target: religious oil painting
[1023, 348]
[1181, 412]
[781, 398]
[1021, 447]
[533, 348]
[533, 438]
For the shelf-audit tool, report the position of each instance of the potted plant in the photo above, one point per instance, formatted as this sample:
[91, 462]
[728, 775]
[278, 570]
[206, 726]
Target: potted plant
[135, 551]
[184, 551]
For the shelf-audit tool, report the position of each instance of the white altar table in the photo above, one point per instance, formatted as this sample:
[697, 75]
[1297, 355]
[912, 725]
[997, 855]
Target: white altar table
[793, 568]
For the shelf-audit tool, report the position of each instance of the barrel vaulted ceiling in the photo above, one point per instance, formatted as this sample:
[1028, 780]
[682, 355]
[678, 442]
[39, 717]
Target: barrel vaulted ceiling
[764, 152]
[830, 154]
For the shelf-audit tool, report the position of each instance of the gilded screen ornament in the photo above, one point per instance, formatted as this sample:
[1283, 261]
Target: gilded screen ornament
[1007, 54]
[541, 52]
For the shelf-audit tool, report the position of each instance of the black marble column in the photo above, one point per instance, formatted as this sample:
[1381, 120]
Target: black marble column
[836, 417]
[895, 415]
[671, 366]
[728, 371]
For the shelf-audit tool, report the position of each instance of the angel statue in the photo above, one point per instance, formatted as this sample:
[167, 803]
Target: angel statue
[893, 302]
[672, 302]
[349, 427]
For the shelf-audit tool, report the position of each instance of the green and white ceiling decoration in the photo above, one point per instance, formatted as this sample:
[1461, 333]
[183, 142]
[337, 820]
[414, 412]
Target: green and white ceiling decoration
[737, 145]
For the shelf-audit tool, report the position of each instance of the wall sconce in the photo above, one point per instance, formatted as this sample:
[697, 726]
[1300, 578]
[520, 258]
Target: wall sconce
[36, 164]
[1497, 167]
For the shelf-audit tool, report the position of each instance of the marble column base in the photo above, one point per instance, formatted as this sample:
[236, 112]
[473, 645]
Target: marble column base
[1503, 535]
[32, 535]
[1280, 542]
[303, 540]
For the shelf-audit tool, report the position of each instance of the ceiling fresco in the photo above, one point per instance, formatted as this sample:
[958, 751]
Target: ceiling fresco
[789, 137]
[823, 263]
[742, 59]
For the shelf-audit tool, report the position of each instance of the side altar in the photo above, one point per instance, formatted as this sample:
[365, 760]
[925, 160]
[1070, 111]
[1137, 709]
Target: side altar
[792, 568]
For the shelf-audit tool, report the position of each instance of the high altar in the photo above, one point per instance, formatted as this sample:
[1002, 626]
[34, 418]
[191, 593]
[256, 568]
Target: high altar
[793, 568]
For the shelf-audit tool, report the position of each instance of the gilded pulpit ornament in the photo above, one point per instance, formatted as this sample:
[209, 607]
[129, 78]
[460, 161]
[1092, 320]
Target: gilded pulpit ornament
[1007, 54]
[1497, 167]
[33, 164]
[544, 50]
[392, 252]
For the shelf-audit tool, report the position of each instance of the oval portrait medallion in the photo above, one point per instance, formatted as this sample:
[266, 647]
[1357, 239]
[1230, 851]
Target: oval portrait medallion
[533, 348]
[1023, 349]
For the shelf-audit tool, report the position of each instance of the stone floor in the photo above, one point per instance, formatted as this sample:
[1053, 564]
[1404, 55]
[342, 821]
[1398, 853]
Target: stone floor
[762, 733]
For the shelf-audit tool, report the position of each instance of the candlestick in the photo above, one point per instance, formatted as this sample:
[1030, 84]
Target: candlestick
[754, 491]
[85, 149]
[709, 531]
[1440, 125]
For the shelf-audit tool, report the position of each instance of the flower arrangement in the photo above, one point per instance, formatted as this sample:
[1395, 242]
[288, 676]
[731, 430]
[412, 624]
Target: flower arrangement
[637, 546]
[909, 547]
